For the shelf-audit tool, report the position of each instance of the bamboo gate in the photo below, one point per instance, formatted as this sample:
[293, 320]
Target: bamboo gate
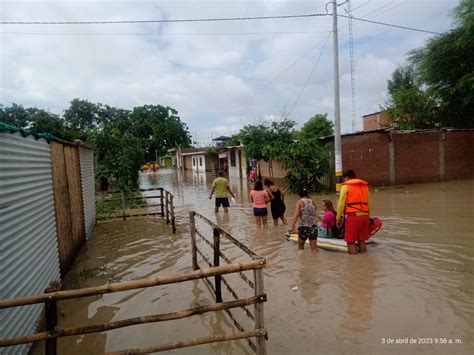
[216, 271]
[166, 205]
[257, 285]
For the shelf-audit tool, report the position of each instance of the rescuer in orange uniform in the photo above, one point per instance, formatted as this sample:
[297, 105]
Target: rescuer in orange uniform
[355, 204]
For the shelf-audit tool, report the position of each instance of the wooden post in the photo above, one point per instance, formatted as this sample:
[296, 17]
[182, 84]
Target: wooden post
[51, 317]
[167, 209]
[218, 278]
[122, 195]
[258, 311]
[173, 224]
[193, 240]
[162, 202]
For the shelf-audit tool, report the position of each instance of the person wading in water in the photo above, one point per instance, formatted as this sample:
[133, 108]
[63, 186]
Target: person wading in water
[221, 186]
[355, 204]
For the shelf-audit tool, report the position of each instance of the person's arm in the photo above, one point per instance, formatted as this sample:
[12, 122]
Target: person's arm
[267, 197]
[341, 205]
[295, 217]
[230, 191]
[369, 205]
[251, 197]
[282, 195]
[212, 191]
[269, 193]
[315, 212]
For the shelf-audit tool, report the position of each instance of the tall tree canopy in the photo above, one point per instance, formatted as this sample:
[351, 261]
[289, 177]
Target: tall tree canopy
[438, 84]
[124, 139]
[317, 126]
[304, 159]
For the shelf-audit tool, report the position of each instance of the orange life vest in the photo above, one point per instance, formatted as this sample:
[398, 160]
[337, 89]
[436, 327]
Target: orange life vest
[357, 199]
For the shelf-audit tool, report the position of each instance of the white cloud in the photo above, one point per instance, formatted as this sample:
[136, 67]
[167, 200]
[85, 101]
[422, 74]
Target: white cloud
[215, 79]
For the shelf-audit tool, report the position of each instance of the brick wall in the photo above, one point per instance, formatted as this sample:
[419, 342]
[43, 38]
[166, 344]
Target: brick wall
[394, 158]
[368, 155]
[459, 154]
[416, 157]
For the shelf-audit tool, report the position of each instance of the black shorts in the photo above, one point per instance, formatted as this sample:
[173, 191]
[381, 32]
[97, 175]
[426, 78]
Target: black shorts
[310, 233]
[224, 201]
[260, 212]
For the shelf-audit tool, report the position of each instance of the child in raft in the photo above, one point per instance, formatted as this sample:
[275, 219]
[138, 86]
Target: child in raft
[328, 222]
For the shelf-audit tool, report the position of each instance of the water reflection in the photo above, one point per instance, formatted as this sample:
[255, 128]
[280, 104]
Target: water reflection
[357, 291]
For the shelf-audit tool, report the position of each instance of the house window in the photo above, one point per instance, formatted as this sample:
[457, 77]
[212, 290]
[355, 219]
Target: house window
[232, 158]
[200, 161]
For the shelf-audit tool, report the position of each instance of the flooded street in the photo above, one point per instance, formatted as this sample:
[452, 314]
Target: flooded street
[417, 282]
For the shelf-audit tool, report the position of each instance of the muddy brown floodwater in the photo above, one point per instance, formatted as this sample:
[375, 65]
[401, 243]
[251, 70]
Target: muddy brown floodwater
[416, 284]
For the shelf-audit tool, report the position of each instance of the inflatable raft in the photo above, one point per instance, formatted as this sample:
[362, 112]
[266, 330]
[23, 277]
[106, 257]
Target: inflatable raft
[335, 244]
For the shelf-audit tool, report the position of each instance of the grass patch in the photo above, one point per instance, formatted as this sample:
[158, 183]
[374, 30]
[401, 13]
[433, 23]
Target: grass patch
[110, 204]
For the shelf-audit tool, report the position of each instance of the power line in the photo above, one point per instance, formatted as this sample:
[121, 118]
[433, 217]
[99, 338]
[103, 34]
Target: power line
[203, 20]
[362, 5]
[390, 24]
[310, 75]
[291, 65]
[159, 34]
[156, 21]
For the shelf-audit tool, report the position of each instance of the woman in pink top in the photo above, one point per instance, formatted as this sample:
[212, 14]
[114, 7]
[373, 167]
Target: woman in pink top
[260, 198]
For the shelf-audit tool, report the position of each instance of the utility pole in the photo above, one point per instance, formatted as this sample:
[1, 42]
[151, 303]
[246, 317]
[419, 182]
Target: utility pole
[337, 108]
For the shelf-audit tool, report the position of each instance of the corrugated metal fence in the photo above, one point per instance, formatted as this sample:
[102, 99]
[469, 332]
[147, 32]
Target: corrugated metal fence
[88, 188]
[29, 259]
[47, 208]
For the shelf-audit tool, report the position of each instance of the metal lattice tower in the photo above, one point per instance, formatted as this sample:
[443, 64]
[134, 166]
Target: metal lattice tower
[351, 51]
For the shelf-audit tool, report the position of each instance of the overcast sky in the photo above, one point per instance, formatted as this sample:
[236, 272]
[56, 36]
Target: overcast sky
[218, 75]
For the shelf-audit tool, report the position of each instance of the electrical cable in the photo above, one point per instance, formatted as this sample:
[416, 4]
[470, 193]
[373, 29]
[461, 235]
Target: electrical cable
[158, 34]
[204, 20]
[155, 21]
[390, 24]
[291, 65]
[309, 77]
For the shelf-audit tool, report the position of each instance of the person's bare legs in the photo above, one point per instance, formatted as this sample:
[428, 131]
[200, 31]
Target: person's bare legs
[313, 243]
[283, 220]
[226, 209]
[352, 249]
[362, 247]
[301, 244]
[216, 209]
[275, 222]
[264, 221]
[258, 220]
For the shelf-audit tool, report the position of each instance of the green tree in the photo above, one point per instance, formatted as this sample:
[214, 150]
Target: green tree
[15, 115]
[82, 118]
[306, 162]
[42, 121]
[438, 84]
[34, 119]
[120, 155]
[317, 126]
[254, 138]
[402, 78]
[279, 137]
[160, 128]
